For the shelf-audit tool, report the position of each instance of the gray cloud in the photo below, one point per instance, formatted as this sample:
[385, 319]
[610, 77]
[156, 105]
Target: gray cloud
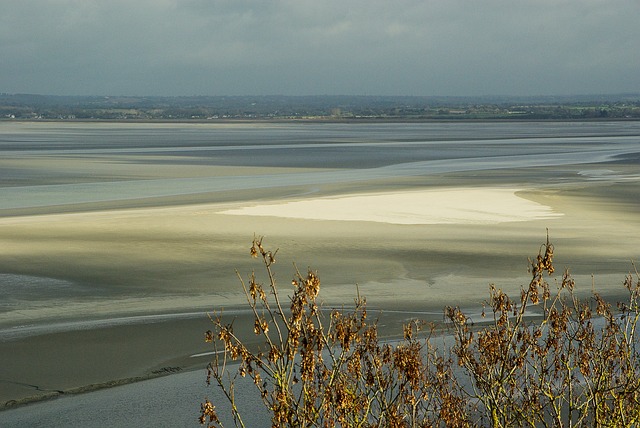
[404, 47]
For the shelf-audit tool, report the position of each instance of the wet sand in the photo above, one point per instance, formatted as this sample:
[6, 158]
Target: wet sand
[187, 269]
[110, 291]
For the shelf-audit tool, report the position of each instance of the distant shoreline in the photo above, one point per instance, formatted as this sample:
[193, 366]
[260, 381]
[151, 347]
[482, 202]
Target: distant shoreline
[324, 108]
[349, 121]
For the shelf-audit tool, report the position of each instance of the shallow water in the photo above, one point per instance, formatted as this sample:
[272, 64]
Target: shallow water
[354, 153]
[171, 401]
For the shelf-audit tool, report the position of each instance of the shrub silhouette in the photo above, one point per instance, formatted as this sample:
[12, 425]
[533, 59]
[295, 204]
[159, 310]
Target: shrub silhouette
[545, 359]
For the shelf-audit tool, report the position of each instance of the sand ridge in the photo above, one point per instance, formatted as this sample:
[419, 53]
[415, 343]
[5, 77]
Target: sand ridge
[458, 205]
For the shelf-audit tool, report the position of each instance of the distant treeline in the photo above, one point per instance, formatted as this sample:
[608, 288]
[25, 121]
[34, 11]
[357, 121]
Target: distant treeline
[47, 107]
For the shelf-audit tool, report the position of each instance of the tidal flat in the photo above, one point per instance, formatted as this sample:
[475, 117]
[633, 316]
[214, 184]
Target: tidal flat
[117, 239]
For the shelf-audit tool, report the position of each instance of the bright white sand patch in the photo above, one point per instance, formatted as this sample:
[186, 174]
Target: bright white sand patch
[451, 206]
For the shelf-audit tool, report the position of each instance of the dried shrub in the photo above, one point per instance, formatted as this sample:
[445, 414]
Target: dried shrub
[576, 364]
[545, 359]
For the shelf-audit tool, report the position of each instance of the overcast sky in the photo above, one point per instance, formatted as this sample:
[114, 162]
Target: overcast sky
[318, 47]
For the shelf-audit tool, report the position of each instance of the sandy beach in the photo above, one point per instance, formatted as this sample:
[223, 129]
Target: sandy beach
[106, 292]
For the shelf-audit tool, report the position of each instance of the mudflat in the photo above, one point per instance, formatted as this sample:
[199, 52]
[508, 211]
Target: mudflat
[100, 291]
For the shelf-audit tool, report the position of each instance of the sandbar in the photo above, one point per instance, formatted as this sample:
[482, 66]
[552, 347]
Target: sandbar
[182, 259]
[442, 206]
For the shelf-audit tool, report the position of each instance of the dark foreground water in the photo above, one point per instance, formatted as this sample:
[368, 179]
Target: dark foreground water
[171, 401]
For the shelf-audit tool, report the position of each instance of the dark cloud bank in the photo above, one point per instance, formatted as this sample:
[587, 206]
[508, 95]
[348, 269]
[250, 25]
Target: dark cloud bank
[375, 47]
